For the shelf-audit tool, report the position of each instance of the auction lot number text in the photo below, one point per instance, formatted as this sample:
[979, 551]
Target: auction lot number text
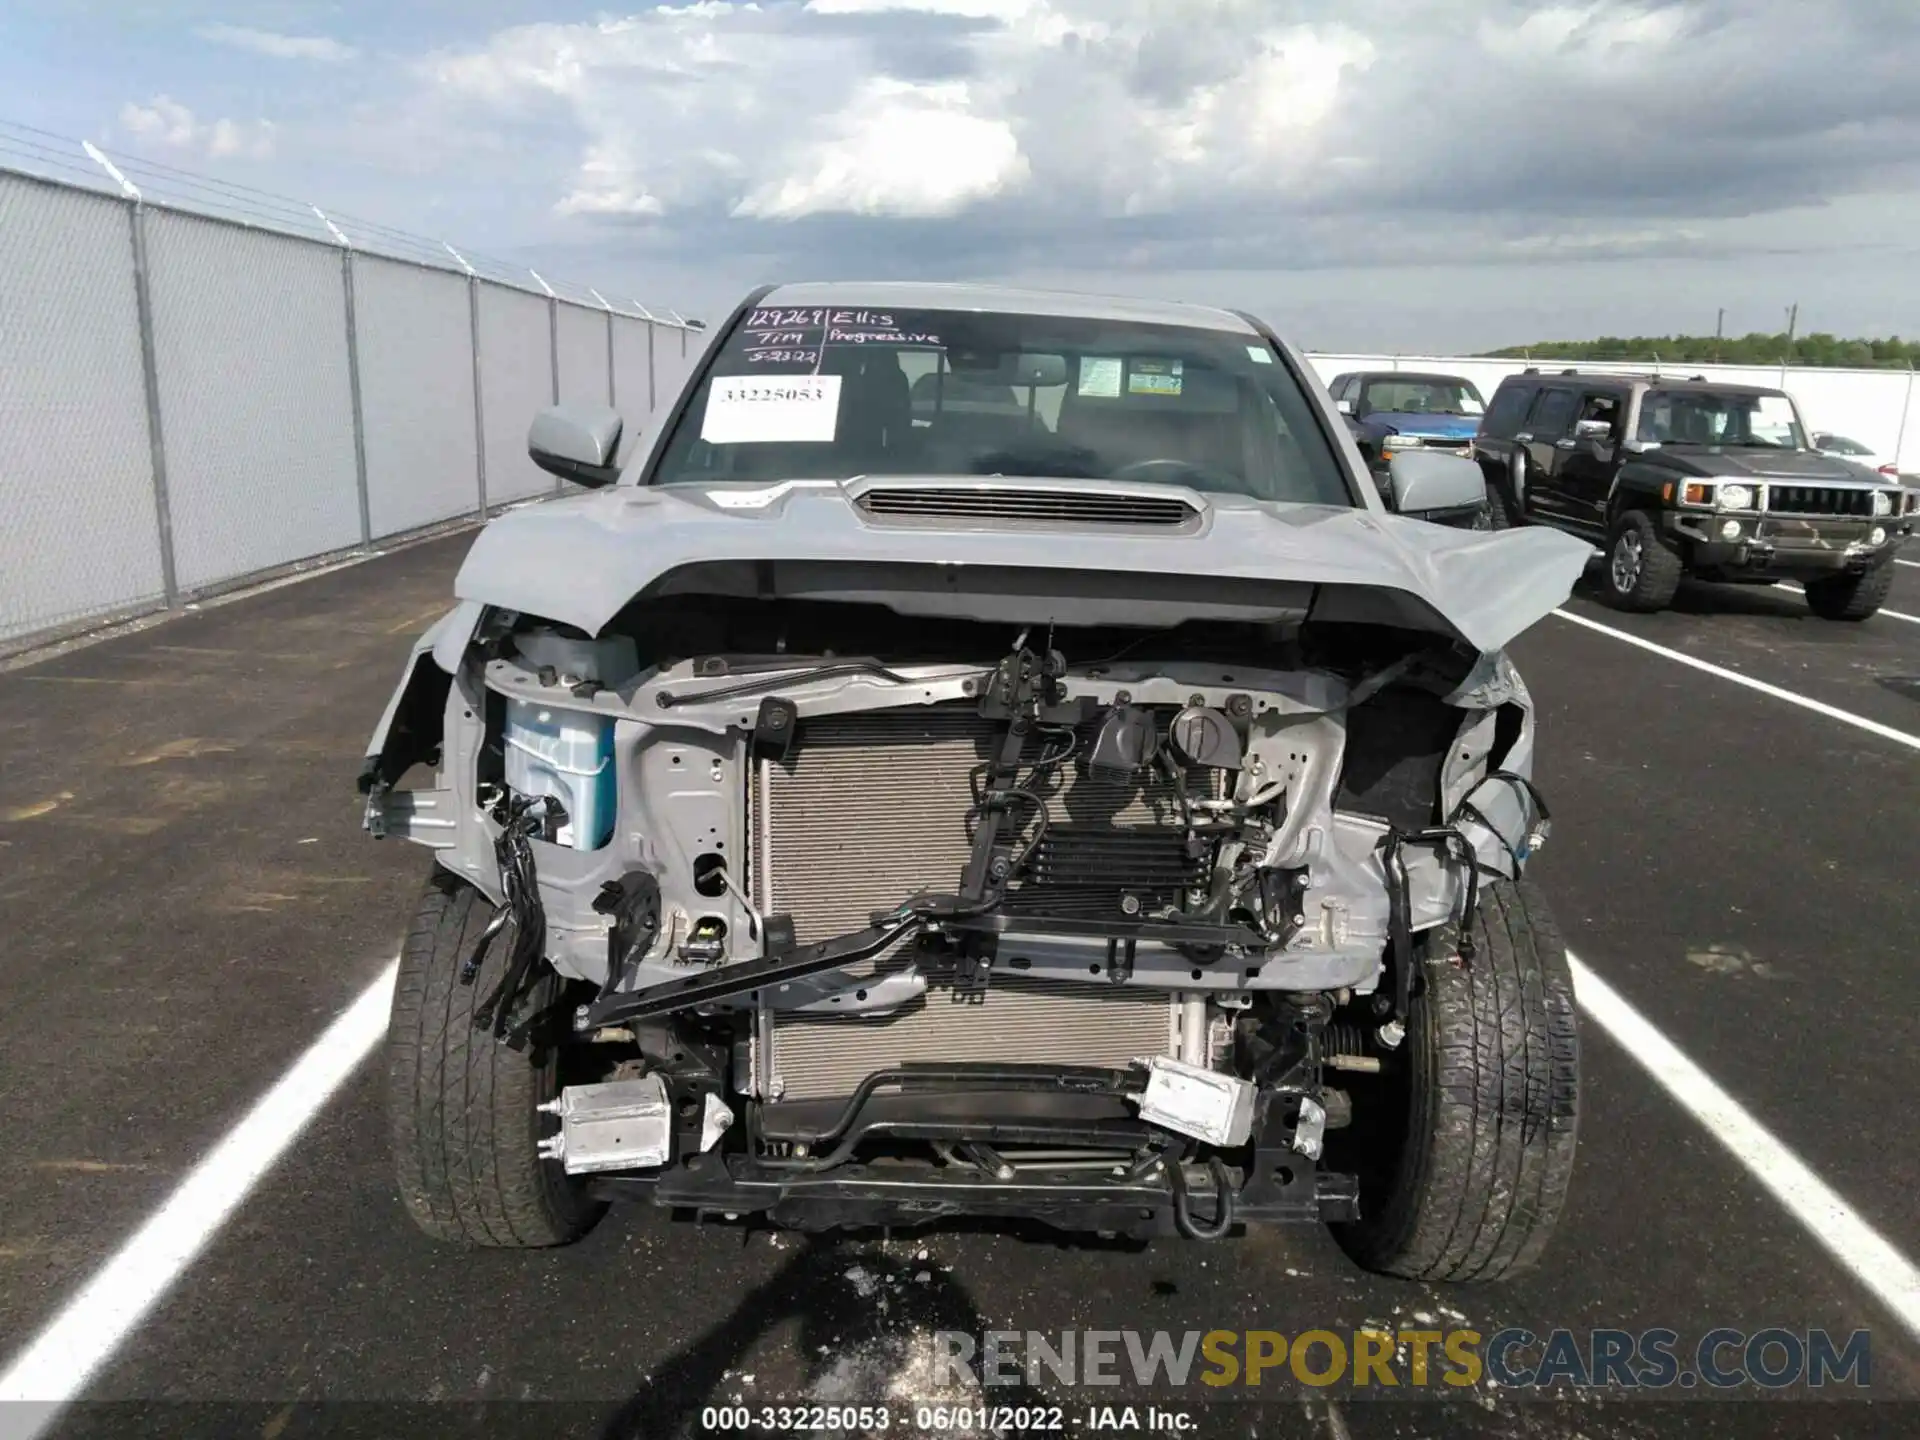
[1019, 1419]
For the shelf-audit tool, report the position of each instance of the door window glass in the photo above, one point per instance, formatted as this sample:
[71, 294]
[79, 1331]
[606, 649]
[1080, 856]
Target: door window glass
[1508, 409]
[1602, 405]
[1552, 414]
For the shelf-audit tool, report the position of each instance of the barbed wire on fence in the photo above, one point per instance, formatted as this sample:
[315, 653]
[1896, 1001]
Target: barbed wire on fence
[46, 155]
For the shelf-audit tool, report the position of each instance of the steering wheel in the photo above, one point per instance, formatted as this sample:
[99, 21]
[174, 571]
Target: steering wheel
[1170, 472]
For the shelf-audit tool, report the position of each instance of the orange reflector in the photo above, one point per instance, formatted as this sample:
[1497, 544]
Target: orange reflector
[1666, 491]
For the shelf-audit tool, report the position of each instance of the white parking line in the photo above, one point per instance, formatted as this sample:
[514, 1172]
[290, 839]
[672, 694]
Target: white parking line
[1890, 614]
[52, 1371]
[1861, 1250]
[1910, 564]
[1819, 707]
[55, 1368]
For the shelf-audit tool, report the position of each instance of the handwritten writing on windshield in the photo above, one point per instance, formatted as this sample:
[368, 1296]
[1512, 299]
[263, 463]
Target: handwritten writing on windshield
[818, 319]
[795, 337]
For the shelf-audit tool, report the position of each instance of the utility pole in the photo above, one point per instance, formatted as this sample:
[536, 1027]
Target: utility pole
[1793, 323]
[1719, 332]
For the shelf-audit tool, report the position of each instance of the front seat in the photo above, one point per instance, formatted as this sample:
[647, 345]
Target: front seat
[876, 406]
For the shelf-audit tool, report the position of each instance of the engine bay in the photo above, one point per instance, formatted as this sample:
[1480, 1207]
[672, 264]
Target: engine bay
[921, 888]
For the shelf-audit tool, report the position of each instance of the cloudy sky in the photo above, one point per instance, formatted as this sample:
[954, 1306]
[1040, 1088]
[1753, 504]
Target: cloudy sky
[1403, 174]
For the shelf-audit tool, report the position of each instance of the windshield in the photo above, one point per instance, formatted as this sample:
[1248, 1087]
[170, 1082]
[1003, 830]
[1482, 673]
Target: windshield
[1706, 417]
[834, 394]
[1424, 395]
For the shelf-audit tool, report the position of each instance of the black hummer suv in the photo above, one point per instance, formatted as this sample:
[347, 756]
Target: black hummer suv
[1690, 478]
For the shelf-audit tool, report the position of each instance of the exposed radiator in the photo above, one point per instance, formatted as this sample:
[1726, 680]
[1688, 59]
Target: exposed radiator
[1017, 1019]
[868, 809]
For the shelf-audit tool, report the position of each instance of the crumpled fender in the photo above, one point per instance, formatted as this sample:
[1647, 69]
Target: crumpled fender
[580, 560]
[419, 700]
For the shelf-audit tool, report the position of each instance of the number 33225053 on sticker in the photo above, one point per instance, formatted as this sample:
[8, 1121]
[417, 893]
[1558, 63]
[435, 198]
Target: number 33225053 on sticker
[773, 409]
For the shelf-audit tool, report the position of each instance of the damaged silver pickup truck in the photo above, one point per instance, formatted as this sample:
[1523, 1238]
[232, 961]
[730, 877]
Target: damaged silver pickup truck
[994, 754]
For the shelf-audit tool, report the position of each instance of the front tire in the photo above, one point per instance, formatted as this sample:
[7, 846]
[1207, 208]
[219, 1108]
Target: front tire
[1470, 1187]
[1850, 597]
[462, 1106]
[1642, 574]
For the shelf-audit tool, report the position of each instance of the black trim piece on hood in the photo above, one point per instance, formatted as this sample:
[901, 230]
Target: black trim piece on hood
[692, 382]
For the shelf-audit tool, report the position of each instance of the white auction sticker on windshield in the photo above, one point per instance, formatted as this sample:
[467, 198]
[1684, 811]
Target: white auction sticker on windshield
[1100, 377]
[771, 409]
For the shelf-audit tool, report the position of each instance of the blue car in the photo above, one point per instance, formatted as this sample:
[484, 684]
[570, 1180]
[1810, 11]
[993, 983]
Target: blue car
[1394, 410]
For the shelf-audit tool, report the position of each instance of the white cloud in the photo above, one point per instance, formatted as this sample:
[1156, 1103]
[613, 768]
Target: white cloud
[968, 9]
[280, 47]
[605, 187]
[167, 124]
[896, 149]
[165, 121]
[804, 117]
[1620, 33]
[986, 136]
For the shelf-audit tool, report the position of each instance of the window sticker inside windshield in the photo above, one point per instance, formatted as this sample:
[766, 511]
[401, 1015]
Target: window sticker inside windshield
[1099, 378]
[1259, 354]
[760, 410]
[1154, 377]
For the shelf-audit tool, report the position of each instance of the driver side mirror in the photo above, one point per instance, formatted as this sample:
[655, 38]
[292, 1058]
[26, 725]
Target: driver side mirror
[576, 443]
[1345, 407]
[1592, 429]
[1446, 489]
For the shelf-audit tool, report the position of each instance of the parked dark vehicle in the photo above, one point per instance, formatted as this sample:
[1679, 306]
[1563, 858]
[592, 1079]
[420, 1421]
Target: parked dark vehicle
[1691, 477]
[1392, 411]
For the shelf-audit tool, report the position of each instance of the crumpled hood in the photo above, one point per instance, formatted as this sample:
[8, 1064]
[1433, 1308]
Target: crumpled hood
[581, 559]
[1442, 427]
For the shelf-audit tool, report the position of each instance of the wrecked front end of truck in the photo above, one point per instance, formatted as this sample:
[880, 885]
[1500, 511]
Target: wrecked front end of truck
[991, 754]
[852, 893]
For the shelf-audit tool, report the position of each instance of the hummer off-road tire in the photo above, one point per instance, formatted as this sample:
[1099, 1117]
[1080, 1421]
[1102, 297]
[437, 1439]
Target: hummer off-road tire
[462, 1106]
[1850, 597]
[1640, 572]
[1469, 1130]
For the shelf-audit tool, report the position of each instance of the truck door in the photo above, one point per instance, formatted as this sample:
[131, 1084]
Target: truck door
[1587, 459]
[1550, 422]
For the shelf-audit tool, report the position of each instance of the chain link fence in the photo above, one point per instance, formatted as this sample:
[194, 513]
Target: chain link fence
[200, 392]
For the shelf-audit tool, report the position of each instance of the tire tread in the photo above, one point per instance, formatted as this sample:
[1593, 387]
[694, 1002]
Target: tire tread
[1661, 569]
[1850, 597]
[461, 1107]
[1493, 1048]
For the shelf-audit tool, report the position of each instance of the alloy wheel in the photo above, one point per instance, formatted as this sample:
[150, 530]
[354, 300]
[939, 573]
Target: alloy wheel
[1626, 562]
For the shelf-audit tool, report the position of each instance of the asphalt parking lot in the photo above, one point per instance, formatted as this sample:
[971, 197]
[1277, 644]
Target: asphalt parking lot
[188, 902]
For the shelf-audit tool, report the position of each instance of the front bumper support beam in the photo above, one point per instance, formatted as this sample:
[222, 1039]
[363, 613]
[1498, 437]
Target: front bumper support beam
[861, 1195]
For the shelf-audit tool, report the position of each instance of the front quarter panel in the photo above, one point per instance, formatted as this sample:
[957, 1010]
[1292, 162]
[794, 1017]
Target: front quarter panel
[411, 720]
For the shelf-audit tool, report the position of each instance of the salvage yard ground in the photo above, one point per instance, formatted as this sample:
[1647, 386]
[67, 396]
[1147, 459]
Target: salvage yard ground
[188, 902]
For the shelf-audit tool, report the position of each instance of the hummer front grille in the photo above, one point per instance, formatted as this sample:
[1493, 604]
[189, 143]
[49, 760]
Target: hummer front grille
[1818, 500]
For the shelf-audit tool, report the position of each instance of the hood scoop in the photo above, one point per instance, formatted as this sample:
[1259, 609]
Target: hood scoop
[1035, 506]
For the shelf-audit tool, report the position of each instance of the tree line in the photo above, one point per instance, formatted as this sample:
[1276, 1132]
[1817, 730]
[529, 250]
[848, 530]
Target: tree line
[1817, 349]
